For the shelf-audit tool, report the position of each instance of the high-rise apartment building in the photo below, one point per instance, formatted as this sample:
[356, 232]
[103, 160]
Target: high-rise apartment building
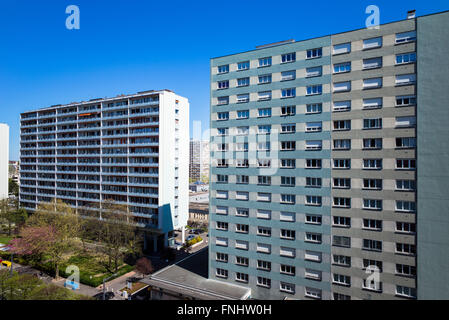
[4, 160]
[329, 165]
[128, 149]
[199, 160]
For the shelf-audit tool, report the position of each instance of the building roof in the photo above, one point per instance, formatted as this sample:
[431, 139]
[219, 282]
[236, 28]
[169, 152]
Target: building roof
[189, 277]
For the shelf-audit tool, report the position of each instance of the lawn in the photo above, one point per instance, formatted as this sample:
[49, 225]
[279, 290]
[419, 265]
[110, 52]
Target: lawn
[5, 239]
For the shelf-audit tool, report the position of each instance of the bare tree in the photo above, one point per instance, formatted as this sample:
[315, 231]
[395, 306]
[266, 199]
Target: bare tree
[144, 266]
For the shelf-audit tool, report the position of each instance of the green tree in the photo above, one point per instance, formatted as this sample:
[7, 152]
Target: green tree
[11, 214]
[13, 187]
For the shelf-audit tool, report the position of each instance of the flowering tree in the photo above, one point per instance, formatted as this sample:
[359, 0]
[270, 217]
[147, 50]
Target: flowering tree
[34, 241]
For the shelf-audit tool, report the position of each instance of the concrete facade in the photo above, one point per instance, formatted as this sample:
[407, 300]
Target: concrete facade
[4, 160]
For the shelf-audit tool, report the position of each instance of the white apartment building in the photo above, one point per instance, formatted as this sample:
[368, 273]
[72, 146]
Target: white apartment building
[4, 160]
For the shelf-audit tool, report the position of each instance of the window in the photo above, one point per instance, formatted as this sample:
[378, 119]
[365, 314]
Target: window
[314, 72]
[340, 260]
[312, 293]
[243, 130]
[313, 145]
[288, 181]
[243, 65]
[313, 163]
[373, 164]
[374, 143]
[266, 78]
[372, 63]
[287, 234]
[265, 112]
[264, 282]
[263, 163]
[242, 212]
[407, 249]
[264, 231]
[372, 204]
[264, 265]
[287, 252]
[341, 183]
[405, 164]
[372, 245]
[340, 241]
[342, 67]
[288, 111]
[405, 79]
[405, 122]
[287, 287]
[242, 261]
[222, 226]
[339, 202]
[288, 145]
[372, 184]
[372, 103]
[241, 244]
[404, 143]
[242, 179]
[313, 274]
[405, 227]
[314, 89]
[406, 58]
[312, 256]
[265, 62]
[313, 182]
[287, 216]
[342, 163]
[265, 95]
[221, 257]
[313, 200]
[314, 53]
[264, 129]
[241, 146]
[372, 264]
[372, 43]
[288, 198]
[313, 237]
[242, 82]
[222, 273]
[405, 185]
[222, 115]
[339, 106]
[241, 228]
[288, 270]
[342, 86]
[242, 98]
[264, 197]
[341, 48]
[288, 128]
[405, 206]
[223, 84]
[223, 131]
[406, 292]
[405, 37]
[372, 83]
[221, 210]
[340, 296]
[242, 195]
[242, 163]
[342, 125]
[288, 163]
[264, 180]
[313, 126]
[222, 101]
[222, 242]
[243, 114]
[288, 93]
[405, 270]
[372, 123]
[263, 248]
[221, 194]
[342, 144]
[241, 277]
[341, 279]
[404, 101]
[288, 75]
[372, 224]
[288, 57]
[372, 285]
[223, 69]
[221, 178]
[344, 222]
[314, 108]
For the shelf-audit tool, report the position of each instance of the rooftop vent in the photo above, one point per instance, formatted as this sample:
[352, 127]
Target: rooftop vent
[411, 14]
[275, 44]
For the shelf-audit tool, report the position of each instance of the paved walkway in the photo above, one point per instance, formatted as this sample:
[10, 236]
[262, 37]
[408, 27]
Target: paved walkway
[116, 284]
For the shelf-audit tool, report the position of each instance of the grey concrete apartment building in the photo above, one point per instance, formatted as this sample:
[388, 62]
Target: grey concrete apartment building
[356, 206]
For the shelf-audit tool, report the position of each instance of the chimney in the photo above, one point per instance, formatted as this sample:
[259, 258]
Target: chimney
[411, 14]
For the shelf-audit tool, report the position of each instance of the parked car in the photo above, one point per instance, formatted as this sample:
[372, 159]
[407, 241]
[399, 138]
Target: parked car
[197, 231]
[109, 295]
[190, 237]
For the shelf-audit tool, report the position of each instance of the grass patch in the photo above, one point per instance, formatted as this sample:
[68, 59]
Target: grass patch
[135, 287]
[5, 240]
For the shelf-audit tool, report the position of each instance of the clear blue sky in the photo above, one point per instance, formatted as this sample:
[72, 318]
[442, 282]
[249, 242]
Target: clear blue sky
[129, 46]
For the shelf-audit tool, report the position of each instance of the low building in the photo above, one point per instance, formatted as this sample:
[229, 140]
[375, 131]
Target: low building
[187, 280]
[198, 186]
[199, 212]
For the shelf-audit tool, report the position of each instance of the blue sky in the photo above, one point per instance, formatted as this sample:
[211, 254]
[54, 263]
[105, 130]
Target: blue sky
[129, 46]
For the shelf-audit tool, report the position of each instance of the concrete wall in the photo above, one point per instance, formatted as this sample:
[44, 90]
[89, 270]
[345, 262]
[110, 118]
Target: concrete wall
[4, 160]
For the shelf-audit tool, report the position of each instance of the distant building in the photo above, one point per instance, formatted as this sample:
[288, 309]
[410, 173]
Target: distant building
[199, 186]
[199, 212]
[199, 159]
[13, 171]
[4, 160]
